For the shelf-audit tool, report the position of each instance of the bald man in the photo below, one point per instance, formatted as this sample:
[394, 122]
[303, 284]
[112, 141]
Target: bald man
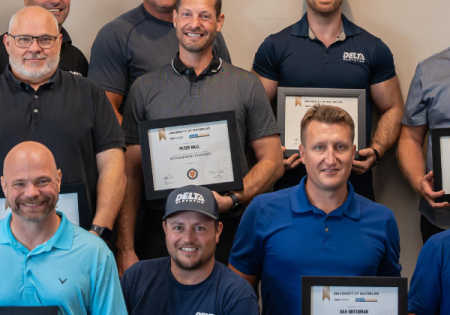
[69, 114]
[50, 261]
[72, 59]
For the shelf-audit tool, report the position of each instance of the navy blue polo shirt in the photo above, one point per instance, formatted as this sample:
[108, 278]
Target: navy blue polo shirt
[283, 237]
[429, 292]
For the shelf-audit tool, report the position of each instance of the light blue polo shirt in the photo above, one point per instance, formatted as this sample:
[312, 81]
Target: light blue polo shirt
[74, 270]
[283, 237]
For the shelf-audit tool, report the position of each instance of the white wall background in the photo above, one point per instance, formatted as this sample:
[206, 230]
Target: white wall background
[413, 29]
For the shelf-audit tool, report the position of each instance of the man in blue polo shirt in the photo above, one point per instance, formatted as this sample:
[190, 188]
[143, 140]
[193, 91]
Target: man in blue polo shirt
[325, 50]
[45, 259]
[317, 228]
[429, 292]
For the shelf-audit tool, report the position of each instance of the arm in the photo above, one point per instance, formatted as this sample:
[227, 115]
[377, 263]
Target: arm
[412, 163]
[116, 100]
[253, 280]
[268, 169]
[388, 99]
[110, 186]
[126, 219]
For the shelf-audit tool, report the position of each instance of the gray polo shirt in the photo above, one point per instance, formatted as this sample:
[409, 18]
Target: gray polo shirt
[174, 90]
[428, 103]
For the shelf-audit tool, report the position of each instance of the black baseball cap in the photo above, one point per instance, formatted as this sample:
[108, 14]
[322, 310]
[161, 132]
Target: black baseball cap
[192, 198]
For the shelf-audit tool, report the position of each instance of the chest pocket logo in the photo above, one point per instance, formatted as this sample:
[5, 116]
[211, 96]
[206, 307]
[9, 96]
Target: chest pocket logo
[353, 56]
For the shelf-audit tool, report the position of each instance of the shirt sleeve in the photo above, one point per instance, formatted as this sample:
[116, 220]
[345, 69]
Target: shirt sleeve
[247, 306]
[416, 112]
[383, 68]
[220, 48]
[424, 297]
[106, 130]
[108, 298]
[133, 113]
[390, 265]
[260, 121]
[247, 254]
[108, 65]
[266, 62]
[127, 288]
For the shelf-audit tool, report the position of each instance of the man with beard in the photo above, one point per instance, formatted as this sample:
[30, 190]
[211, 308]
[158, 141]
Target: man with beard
[196, 82]
[48, 261]
[325, 50]
[190, 281]
[72, 59]
[137, 42]
[69, 114]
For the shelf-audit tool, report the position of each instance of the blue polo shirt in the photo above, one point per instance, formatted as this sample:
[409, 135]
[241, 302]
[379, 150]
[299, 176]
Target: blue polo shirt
[74, 270]
[283, 237]
[429, 292]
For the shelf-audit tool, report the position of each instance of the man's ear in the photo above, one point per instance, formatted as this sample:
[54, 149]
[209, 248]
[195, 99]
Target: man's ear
[3, 181]
[58, 179]
[219, 231]
[164, 227]
[7, 43]
[301, 149]
[220, 21]
[175, 15]
[354, 152]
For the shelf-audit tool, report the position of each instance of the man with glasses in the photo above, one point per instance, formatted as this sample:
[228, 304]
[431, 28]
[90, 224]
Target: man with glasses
[69, 114]
[72, 59]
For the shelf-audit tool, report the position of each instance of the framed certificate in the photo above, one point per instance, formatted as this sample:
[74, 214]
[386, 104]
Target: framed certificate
[190, 150]
[354, 295]
[440, 144]
[293, 103]
[72, 197]
[29, 310]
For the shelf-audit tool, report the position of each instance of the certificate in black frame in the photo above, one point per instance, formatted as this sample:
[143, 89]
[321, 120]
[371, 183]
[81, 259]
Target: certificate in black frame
[360, 94]
[401, 283]
[436, 135]
[229, 116]
[80, 190]
[29, 310]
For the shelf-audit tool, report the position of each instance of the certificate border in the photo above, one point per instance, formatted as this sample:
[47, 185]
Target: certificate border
[322, 92]
[78, 188]
[233, 136]
[436, 135]
[400, 283]
[29, 310]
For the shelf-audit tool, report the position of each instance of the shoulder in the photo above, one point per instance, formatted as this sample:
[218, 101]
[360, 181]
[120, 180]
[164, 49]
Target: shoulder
[273, 203]
[231, 283]
[75, 80]
[230, 71]
[124, 24]
[92, 245]
[434, 60]
[156, 78]
[373, 210]
[147, 269]
[440, 240]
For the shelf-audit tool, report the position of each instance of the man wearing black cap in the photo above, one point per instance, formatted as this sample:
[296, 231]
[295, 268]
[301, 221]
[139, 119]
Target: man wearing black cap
[190, 281]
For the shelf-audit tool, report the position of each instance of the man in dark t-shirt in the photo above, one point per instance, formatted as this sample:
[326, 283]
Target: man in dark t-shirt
[190, 281]
[71, 58]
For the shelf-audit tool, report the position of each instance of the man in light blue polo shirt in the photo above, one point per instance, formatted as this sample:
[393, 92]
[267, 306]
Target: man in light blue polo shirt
[45, 260]
[317, 228]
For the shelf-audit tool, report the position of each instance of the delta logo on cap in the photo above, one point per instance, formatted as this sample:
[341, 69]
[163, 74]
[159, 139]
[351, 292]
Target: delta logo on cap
[190, 197]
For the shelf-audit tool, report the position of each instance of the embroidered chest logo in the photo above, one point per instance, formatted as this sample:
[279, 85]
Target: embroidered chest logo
[358, 57]
[62, 281]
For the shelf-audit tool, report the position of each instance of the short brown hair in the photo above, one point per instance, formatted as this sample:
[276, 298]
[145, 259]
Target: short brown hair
[326, 114]
[217, 6]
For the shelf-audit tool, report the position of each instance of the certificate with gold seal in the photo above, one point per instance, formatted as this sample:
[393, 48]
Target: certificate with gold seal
[190, 150]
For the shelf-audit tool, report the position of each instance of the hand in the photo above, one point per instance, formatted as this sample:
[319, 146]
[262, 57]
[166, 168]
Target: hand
[291, 162]
[425, 189]
[360, 167]
[124, 260]
[225, 203]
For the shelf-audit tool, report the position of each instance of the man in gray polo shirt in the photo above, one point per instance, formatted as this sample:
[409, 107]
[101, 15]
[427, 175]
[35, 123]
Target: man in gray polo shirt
[196, 82]
[427, 107]
[137, 42]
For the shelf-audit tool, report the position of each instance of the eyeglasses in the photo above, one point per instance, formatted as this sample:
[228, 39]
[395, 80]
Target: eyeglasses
[25, 41]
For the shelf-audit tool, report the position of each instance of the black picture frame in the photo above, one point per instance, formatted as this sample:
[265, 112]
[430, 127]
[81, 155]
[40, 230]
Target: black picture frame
[29, 310]
[229, 116]
[436, 135]
[78, 188]
[360, 94]
[400, 283]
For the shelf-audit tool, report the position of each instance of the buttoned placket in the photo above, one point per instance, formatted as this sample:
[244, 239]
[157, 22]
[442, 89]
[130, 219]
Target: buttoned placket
[326, 232]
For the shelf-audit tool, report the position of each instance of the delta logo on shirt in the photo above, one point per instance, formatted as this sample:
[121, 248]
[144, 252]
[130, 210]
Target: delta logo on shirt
[201, 313]
[190, 197]
[353, 56]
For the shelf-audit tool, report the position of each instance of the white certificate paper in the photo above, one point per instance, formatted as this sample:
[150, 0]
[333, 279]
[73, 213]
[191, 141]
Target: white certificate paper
[334, 300]
[197, 154]
[445, 163]
[297, 106]
[67, 204]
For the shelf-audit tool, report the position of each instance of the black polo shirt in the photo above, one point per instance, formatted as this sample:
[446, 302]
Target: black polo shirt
[71, 58]
[71, 115]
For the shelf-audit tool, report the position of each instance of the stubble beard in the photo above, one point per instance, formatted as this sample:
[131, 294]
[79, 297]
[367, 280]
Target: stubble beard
[51, 62]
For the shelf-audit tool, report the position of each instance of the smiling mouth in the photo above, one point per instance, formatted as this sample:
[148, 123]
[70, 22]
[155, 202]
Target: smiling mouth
[188, 249]
[55, 10]
[193, 35]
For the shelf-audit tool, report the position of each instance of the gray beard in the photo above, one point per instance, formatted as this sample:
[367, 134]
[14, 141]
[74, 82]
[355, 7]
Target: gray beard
[50, 64]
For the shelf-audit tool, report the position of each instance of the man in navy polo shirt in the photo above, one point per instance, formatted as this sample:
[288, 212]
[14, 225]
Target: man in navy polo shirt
[325, 50]
[429, 292]
[319, 227]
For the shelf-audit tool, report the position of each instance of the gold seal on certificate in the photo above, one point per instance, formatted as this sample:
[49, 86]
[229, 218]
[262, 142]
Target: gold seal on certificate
[354, 295]
[293, 103]
[440, 145]
[191, 150]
